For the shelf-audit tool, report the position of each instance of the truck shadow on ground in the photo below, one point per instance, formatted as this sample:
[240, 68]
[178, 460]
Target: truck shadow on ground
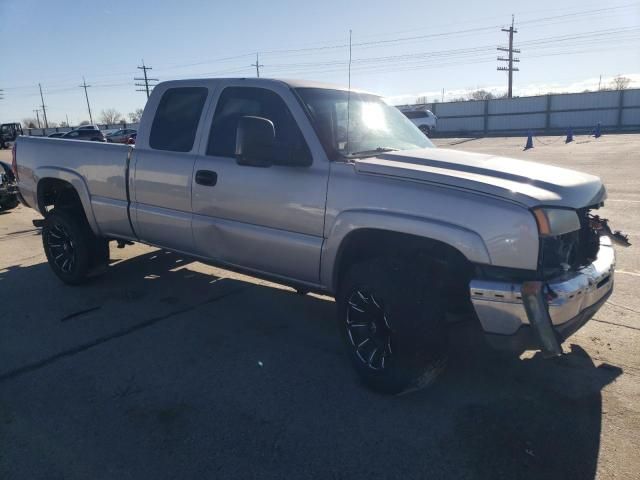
[222, 377]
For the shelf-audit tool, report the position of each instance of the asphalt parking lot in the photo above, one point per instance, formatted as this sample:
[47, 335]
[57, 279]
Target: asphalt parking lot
[167, 368]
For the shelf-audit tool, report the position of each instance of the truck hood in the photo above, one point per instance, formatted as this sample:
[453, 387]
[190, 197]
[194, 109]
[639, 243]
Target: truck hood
[525, 182]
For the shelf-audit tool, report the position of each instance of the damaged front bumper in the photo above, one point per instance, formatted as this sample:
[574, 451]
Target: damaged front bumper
[536, 315]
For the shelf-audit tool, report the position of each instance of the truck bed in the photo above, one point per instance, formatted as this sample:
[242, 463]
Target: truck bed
[98, 171]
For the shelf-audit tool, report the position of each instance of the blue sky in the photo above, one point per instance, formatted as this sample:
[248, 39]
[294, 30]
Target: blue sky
[401, 49]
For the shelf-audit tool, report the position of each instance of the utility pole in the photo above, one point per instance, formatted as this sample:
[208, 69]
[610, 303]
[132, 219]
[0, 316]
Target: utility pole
[599, 82]
[147, 86]
[44, 109]
[85, 86]
[67, 117]
[510, 68]
[257, 65]
[37, 112]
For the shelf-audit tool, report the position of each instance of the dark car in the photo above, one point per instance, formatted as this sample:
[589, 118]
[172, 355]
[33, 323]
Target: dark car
[132, 139]
[120, 136]
[92, 135]
[56, 134]
[8, 188]
[8, 133]
[88, 127]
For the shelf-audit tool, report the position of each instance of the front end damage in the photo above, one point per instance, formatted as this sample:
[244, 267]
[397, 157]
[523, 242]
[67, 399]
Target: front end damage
[539, 310]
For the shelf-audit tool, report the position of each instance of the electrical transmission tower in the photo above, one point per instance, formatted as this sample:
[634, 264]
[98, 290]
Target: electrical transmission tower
[257, 65]
[148, 82]
[85, 86]
[510, 59]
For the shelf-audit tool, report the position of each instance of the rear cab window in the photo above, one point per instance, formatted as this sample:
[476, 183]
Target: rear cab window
[176, 119]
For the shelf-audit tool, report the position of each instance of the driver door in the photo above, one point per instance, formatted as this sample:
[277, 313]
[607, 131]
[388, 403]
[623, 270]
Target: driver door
[263, 219]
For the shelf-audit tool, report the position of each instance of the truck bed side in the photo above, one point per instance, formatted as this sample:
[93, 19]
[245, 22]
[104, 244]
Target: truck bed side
[97, 171]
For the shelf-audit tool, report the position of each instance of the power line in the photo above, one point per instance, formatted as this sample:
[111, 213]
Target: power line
[404, 61]
[564, 17]
[85, 86]
[44, 108]
[257, 65]
[148, 82]
[510, 68]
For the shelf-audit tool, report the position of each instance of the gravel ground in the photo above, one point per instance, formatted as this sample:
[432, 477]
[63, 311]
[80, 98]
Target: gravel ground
[167, 368]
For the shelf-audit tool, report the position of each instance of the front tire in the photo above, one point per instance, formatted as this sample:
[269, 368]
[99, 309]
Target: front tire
[71, 248]
[425, 129]
[392, 318]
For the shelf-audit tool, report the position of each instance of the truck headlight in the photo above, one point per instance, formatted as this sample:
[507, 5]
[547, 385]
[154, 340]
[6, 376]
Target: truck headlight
[556, 221]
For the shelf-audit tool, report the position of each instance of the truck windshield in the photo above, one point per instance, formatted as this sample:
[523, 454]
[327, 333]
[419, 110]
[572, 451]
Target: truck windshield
[374, 126]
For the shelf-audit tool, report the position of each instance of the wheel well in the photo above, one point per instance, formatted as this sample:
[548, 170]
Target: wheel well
[454, 270]
[53, 192]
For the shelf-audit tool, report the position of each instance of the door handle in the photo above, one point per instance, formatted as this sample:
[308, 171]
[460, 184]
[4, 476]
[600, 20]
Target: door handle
[206, 178]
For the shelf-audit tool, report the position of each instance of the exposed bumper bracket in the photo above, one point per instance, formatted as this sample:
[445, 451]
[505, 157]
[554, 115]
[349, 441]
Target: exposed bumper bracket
[539, 319]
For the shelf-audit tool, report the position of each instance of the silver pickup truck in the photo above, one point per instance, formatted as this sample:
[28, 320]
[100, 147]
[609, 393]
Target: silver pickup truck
[330, 190]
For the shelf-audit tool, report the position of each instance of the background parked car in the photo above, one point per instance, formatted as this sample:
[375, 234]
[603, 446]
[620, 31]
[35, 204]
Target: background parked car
[424, 119]
[8, 188]
[86, 134]
[120, 136]
[56, 134]
[8, 133]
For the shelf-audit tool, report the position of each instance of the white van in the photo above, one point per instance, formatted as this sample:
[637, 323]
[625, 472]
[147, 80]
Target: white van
[423, 118]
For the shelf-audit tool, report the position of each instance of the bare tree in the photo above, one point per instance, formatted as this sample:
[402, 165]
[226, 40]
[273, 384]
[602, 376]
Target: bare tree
[481, 94]
[422, 99]
[110, 116]
[64, 124]
[620, 83]
[84, 122]
[30, 123]
[136, 115]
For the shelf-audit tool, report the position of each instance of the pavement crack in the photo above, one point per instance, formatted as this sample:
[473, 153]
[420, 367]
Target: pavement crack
[623, 307]
[81, 312]
[616, 324]
[31, 367]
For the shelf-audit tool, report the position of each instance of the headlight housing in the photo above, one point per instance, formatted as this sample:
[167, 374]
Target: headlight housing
[556, 221]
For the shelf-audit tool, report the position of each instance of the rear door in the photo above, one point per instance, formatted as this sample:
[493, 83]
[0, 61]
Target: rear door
[265, 219]
[162, 167]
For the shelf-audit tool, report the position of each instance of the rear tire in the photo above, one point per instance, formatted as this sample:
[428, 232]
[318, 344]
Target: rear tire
[72, 249]
[392, 319]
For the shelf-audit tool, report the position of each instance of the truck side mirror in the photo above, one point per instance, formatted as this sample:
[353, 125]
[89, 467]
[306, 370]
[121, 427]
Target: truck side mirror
[255, 141]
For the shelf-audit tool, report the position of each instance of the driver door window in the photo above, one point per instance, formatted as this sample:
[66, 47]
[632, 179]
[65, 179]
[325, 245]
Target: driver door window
[237, 102]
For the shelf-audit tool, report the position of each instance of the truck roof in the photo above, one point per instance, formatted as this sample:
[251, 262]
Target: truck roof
[292, 83]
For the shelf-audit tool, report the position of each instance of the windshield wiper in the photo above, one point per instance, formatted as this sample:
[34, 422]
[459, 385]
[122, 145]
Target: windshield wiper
[372, 152]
